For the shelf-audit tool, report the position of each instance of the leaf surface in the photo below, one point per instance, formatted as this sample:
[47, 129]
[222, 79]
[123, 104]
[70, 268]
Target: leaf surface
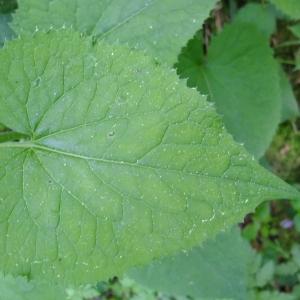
[240, 75]
[123, 163]
[206, 272]
[261, 16]
[295, 29]
[264, 19]
[161, 27]
[19, 288]
[290, 8]
[290, 107]
[6, 32]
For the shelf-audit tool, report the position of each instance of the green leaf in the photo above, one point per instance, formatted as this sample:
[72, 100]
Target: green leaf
[265, 274]
[290, 107]
[286, 269]
[295, 29]
[5, 31]
[258, 15]
[264, 19]
[159, 27]
[241, 77]
[123, 162]
[20, 289]
[8, 6]
[218, 269]
[290, 8]
[296, 254]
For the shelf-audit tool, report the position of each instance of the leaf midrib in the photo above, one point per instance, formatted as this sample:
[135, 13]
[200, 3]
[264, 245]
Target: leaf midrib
[34, 146]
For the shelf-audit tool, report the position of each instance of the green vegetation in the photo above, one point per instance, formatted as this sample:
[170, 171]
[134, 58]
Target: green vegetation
[139, 143]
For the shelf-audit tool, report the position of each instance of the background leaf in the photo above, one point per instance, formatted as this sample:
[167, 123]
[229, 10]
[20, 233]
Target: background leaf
[8, 6]
[120, 155]
[258, 15]
[240, 75]
[159, 27]
[20, 289]
[290, 107]
[6, 32]
[263, 18]
[206, 272]
[290, 8]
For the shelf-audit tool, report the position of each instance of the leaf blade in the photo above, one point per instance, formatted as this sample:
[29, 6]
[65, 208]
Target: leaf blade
[205, 272]
[179, 174]
[160, 28]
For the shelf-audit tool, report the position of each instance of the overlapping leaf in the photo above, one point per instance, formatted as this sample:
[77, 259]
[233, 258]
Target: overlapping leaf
[240, 75]
[20, 289]
[159, 27]
[290, 107]
[290, 8]
[207, 272]
[123, 163]
[260, 15]
[264, 19]
[6, 32]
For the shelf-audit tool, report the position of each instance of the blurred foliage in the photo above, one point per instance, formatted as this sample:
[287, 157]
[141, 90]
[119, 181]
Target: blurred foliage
[284, 153]
[7, 6]
[274, 231]
[126, 288]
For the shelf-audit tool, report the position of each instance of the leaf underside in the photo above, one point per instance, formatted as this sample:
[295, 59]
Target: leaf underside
[160, 27]
[123, 163]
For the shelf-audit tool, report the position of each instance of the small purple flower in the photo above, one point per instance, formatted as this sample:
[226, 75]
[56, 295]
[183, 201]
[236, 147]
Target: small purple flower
[286, 224]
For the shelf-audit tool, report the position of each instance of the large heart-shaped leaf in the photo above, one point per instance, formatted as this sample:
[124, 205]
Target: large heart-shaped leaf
[122, 163]
[161, 27]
